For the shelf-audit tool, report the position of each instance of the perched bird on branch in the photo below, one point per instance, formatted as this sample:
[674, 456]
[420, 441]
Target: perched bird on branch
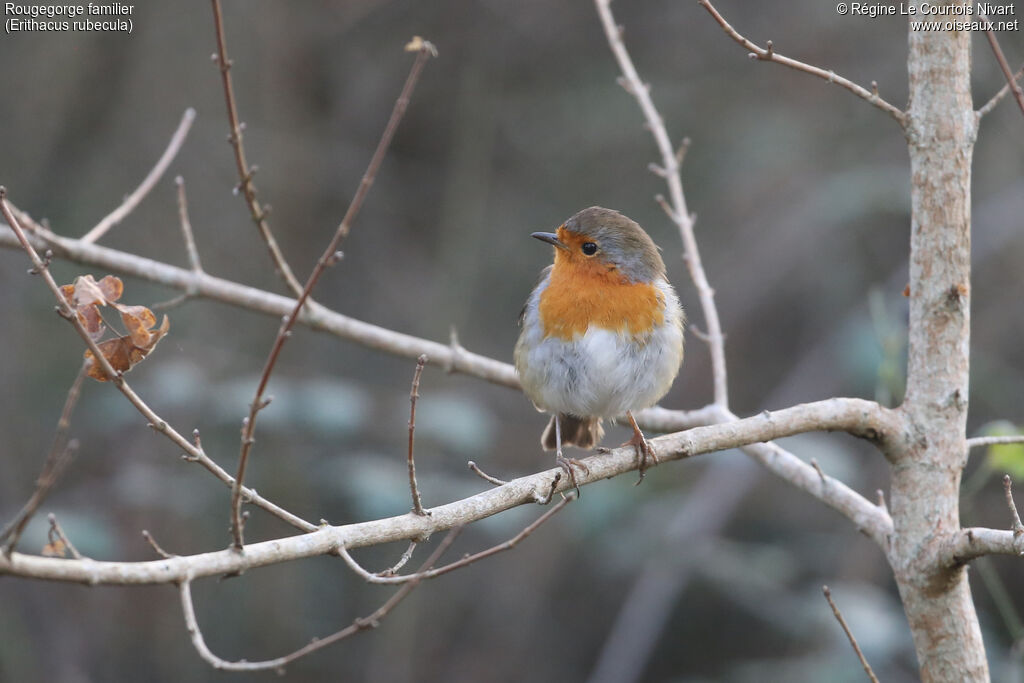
[602, 333]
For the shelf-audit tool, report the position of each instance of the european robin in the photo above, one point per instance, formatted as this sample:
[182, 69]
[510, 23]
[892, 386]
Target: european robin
[602, 333]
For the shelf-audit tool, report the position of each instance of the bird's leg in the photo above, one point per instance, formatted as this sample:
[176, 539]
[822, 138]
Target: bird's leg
[644, 449]
[567, 464]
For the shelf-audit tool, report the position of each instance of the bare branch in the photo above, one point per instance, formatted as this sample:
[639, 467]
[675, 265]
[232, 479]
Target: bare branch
[186, 227]
[245, 172]
[61, 452]
[483, 475]
[1011, 80]
[856, 416]
[1000, 94]
[132, 200]
[458, 564]
[194, 451]
[680, 215]
[980, 441]
[425, 51]
[59, 539]
[1018, 528]
[974, 542]
[849, 635]
[225, 291]
[156, 546]
[406, 556]
[769, 55]
[417, 504]
[359, 624]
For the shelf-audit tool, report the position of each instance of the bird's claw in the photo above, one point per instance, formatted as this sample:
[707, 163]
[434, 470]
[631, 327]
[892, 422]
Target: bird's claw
[567, 465]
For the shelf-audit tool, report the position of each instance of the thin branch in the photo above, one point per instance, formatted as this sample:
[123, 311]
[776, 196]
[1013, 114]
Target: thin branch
[194, 452]
[132, 200]
[856, 416]
[677, 211]
[156, 546]
[186, 227]
[245, 172]
[980, 441]
[1018, 528]
[769, 55]
[1000, 95]
[56, 534]
[57, 460]
[424, 51]
[359, 624]
[406, 556]
[458, 564]
[417, 503]
[483, 475]
[974, 542]
[1011, 80]
[849, 635]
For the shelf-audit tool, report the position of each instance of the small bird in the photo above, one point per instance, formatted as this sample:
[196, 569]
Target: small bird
[602, 333]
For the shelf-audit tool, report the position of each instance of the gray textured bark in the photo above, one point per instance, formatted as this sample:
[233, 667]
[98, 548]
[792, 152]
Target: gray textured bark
[929, 459]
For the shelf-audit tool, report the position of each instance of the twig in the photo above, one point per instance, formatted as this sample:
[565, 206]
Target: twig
[194, 452]
[769, 55]
[156, 546]
[359, 624]
[406, 556]
[483, 475]
[677, 211]
[132, 200]
[1018, 528]
[417, 503]
[979, 441]
[1011, 80]
[57, 534]
[458, 564]
[186, 228]
[61, 452]
[849, 634]
[1000, 94]
[245, 172]
[424, 52]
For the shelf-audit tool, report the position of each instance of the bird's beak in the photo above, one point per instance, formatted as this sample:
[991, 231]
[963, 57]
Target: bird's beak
[550, 238]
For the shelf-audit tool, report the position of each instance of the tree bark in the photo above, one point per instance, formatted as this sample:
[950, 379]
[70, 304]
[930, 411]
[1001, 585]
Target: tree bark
[927, 465]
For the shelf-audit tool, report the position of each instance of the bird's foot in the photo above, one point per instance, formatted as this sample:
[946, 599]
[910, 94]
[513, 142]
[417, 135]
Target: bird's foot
[568, 465]
[645, 453]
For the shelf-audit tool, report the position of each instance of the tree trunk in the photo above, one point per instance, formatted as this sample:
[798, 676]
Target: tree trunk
[941, 128]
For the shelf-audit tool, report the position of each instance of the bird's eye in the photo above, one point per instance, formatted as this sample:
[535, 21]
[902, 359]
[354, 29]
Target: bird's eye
[589, 248]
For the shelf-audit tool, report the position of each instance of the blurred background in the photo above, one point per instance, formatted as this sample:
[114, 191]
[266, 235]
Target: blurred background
[712, 569]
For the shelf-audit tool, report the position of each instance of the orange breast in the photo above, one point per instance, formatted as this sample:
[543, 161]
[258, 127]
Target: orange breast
[592, 293]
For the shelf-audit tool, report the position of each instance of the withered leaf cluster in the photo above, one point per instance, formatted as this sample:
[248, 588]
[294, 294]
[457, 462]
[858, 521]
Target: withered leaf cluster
[85, 296]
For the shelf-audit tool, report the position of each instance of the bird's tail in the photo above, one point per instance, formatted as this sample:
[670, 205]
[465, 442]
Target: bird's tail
[583, 432]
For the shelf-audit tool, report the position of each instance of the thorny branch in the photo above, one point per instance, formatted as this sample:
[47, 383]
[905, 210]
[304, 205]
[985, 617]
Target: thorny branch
[768, 54]
[424, 50]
